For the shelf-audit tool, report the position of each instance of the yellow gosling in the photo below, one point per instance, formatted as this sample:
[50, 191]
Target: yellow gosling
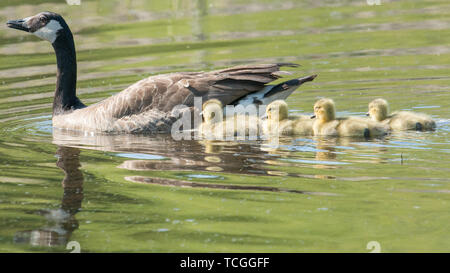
[279, 122]
[326, 123]
[212, 116]
[401, 120]
[215, 127]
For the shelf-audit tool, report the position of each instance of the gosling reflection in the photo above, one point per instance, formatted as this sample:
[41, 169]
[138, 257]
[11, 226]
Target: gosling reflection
[61, 222]
[213, 156]
[334, 152]
[212, 147]
[289, 153]
[260, 157]
[187, 155]
[329, 153]
[326, 153]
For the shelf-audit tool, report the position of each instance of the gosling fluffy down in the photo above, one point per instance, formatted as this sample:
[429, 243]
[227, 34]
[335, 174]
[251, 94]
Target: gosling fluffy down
[215, 127]
[401, 120]
[279, 123]
[326, 123]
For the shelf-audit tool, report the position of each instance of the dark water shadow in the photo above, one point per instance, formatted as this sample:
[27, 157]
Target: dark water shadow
[189, 184]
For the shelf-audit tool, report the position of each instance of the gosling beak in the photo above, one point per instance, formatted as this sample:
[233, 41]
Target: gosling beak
[20, 24]
[367, 114]
[313, 116]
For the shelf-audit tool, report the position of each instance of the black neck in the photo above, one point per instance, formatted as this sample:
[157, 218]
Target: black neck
[65, 94]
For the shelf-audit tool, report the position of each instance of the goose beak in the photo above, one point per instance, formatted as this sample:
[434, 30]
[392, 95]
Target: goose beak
[314, 116]
[18, 24]
[367, 114]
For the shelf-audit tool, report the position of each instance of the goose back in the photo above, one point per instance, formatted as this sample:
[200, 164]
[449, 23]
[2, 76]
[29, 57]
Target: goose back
[148, 103]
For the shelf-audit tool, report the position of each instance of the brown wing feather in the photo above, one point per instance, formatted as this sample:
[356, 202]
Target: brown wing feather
[163, 92]
[150, 121]
[231, 84]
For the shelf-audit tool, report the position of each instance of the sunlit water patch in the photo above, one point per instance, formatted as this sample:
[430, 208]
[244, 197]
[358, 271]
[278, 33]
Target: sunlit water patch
[140, 156]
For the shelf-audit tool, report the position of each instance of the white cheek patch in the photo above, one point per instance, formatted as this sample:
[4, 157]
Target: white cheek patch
[49, 32]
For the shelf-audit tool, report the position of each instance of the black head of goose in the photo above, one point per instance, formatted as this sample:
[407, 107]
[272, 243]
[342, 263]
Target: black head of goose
[52, 27]
[147, 105]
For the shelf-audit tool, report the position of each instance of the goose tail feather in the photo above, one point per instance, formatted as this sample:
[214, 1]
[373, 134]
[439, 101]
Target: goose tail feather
[274, 92]
[283, 88]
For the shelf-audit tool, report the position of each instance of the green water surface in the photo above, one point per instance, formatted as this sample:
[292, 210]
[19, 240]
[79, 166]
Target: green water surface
[147, 193]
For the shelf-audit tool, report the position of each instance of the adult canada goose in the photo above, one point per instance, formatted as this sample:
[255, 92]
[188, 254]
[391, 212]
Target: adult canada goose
[402, 120]
[279, 121]
[326, 123]
[214, 126]
[147, 105]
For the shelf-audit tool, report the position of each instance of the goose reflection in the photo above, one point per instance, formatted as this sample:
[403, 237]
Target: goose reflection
[61, 222]
[171, 155]
[219, 156]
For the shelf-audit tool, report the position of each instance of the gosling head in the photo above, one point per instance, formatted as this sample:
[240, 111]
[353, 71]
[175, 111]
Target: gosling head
[45, 25]
[212, 111]
[378, 109]
[324, 110]
[277, 110]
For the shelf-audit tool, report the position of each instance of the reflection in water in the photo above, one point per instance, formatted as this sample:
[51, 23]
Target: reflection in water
[60, 222]
[160, 152]
[123, 41]
[200, 11]
[216, 156]
[188, 184]
[291, 157]
[326, 153]
[233, 157]
[188, 155]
